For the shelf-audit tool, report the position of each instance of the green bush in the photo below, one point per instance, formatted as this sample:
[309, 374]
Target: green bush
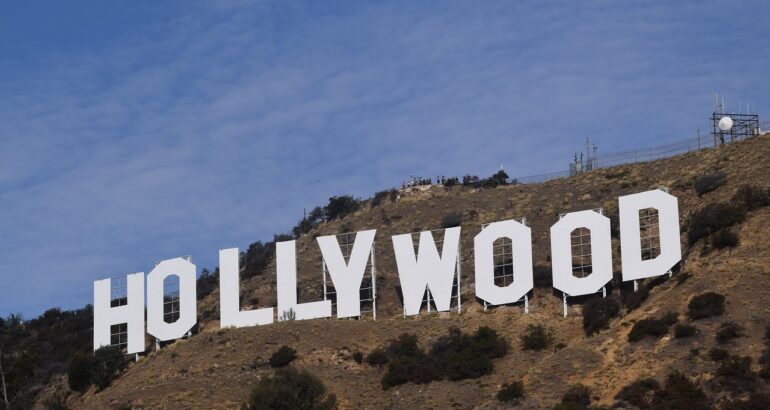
[464, 356]
[341, 206]
[755, 401]
[500, 177]
[282, 357]
[752, 197]
[381, 196]
[652, 327]
[542, 276]
[455, 356]
[536, 337]
[706, 305]
[716, 354]
[452, 220]
[577, 394]
[511, 392]
[713, 218]
[108, 363]
[680, 393]
[640, 393]
[632, 300]
[377, 357]
[682, 330]
[79, 371]
[736, 367]
[598, 312]
[290, 389]
[358, 357]
[709, 182]
[206, 283]
[724, 239]
[728, 331]
[764, 364]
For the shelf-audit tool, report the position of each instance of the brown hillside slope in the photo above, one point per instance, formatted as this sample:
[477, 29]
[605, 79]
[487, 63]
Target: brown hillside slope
[216, 368]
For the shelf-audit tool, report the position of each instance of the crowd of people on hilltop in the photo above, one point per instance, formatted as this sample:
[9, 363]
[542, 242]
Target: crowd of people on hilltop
[499, 178]
[440, 180]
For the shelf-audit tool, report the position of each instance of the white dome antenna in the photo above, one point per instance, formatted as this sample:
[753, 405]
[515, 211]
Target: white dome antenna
[725, 123]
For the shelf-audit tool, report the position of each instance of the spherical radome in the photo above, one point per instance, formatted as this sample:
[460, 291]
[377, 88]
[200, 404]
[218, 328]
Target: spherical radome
[725, 123]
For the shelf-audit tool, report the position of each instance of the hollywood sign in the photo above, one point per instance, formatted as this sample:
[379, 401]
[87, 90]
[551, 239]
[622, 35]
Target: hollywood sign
[426, 269]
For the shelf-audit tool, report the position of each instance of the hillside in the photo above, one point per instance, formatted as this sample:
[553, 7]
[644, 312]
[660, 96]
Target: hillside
[216, 368]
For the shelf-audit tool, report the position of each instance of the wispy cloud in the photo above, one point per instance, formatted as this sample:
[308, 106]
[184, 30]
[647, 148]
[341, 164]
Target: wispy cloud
[216, 126]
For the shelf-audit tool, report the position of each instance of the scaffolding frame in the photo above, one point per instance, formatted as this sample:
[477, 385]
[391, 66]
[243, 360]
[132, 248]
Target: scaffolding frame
[744, 126]
[171, 299]
[439, 244]
[502, 264]
[119, 297]
[580, 241]
[368, 289]
[649, 235]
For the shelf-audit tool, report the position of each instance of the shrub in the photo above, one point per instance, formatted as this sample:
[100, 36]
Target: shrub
[408, 363]
[542, 276]
[736, 367]
[577, 394]
[377, 357]
[256, 258]
[682, 330]
[291, 389]
[640, 393]
[536, 337]
[79, 371]
[358, 357]
[728, 331]
[597, 313]
[709, 182]
[752, 197]
[652, 327]
[206, 283]
[632, 300]
[455, 356]
[463, 356]
[680, 393]
[716, 354]
[282, 357]
[706, 305]
[755, 401]
[500, 177]
[764, 364]
[511, 392]
[341, 206]
[381, 196]
[452, 220]
[108, 362]
[713, 218]
[724, 239]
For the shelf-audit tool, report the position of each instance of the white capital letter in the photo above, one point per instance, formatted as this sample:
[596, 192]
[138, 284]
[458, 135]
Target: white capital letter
[188, 315]
[630, 240]
[601, 253]
[132, 313]
[286, 261]
[230, 314]
[427, 270]
[347, 276]
[483, 243]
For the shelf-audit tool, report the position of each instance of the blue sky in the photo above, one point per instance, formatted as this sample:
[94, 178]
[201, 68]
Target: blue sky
[131, 133]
